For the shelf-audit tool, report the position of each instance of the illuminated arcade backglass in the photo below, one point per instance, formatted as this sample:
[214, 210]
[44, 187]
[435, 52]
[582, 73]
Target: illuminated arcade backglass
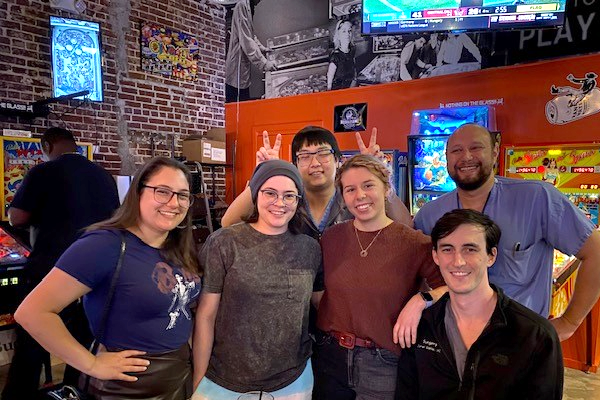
[396, 162]
[427, 173]
[573, 169]
[17, 157]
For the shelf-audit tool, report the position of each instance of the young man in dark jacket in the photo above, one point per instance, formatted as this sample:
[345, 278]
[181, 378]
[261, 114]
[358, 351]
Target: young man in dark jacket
[476, 343]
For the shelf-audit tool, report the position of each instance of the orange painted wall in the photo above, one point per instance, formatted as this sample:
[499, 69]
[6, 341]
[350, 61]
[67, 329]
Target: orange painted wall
[524, 90]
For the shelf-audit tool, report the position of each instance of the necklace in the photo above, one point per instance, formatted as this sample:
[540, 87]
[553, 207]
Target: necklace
[364, 252]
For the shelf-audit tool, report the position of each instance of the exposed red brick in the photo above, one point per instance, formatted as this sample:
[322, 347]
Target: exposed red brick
[149, 103]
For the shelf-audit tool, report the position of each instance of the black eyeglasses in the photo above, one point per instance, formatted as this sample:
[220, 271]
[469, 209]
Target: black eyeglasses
[163, 195]
[289, 199]
[305, 158]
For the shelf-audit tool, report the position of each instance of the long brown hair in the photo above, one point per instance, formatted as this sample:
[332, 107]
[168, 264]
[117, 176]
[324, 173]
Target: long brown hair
[179, 246]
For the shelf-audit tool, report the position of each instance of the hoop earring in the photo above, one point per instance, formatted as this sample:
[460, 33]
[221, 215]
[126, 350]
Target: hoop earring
[181, 226]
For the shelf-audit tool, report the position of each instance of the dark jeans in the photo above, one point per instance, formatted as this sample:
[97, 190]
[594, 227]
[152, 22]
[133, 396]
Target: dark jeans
[233, 94]
[23, 378]
[357, 374]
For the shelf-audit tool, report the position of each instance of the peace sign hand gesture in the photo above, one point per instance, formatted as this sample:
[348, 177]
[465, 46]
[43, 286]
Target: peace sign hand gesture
[373, 149]
[266, 152]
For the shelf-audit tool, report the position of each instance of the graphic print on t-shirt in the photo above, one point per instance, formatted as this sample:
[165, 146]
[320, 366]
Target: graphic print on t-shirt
[180, 285]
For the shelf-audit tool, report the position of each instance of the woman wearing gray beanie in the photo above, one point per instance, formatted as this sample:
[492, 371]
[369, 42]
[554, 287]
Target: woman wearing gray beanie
[259, 276]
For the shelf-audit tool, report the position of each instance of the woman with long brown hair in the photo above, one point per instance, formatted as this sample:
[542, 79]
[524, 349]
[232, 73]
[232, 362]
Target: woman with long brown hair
[144, 350]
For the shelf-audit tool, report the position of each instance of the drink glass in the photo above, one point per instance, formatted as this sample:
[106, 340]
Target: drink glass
[257, 395]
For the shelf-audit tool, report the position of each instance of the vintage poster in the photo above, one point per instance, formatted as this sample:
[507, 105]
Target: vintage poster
[169, 53]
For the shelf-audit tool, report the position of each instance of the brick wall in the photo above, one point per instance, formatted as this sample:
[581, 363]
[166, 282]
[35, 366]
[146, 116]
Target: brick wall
[137, 105]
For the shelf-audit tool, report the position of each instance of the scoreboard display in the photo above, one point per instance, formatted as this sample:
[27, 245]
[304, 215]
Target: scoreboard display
[421, 16]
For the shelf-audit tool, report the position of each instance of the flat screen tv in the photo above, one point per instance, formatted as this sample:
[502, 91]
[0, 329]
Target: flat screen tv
[388, 17]
[76, 57]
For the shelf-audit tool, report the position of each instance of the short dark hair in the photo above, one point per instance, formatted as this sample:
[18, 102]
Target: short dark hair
[56, 135]
[314, 135]
[455, 218]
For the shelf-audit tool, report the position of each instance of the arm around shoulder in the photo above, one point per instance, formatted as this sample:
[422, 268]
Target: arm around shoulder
[397, 211]
[240, 207]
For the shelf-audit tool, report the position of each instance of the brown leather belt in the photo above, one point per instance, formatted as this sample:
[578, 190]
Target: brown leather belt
[349, 340]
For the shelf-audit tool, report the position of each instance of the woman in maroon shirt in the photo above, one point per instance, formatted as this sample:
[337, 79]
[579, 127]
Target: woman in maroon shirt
[373, 266]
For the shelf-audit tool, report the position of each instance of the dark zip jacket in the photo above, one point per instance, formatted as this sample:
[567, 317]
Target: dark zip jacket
[517, 356]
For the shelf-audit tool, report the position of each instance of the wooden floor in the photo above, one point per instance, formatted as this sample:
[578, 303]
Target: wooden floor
[581, 386]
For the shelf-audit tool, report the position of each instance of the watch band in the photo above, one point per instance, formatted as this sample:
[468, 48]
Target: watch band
[427, 298]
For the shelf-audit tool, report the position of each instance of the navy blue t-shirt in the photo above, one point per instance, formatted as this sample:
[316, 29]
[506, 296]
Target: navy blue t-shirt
[151, 305]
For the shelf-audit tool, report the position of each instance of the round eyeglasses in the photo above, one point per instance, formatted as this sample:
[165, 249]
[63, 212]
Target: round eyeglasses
[289, 199]
[163, 195]
[305, 158]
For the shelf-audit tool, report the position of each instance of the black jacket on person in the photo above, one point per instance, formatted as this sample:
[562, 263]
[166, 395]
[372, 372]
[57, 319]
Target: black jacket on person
[517, 356]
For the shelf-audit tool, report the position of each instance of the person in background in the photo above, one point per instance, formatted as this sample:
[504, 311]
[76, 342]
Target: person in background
[452, 46]
[316, 153]
[342, 69]
[144, 350]
[477, 343]
[428, 56]
[551, 172]
[252, 322]
[411, 65]
[56, 200]
[535, 218]
[244, 50]
[373, 267]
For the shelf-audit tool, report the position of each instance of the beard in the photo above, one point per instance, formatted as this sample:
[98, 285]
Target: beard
[474, 182]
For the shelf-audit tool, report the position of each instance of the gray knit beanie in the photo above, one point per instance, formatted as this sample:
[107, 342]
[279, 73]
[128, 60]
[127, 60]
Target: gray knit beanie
[270, 168]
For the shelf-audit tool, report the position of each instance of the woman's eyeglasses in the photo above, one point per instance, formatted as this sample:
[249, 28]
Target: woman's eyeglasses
[163, 196]
[305, 158]
[289, 199]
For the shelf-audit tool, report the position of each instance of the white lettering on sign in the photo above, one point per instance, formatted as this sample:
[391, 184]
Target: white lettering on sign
[541, 35]
[472, 103]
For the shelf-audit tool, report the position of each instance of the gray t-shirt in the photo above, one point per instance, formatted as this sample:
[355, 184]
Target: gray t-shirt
[456, 342]
[266, 281]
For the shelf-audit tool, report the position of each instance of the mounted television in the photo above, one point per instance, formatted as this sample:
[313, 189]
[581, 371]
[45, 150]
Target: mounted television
[76, 57]
[388, 17]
